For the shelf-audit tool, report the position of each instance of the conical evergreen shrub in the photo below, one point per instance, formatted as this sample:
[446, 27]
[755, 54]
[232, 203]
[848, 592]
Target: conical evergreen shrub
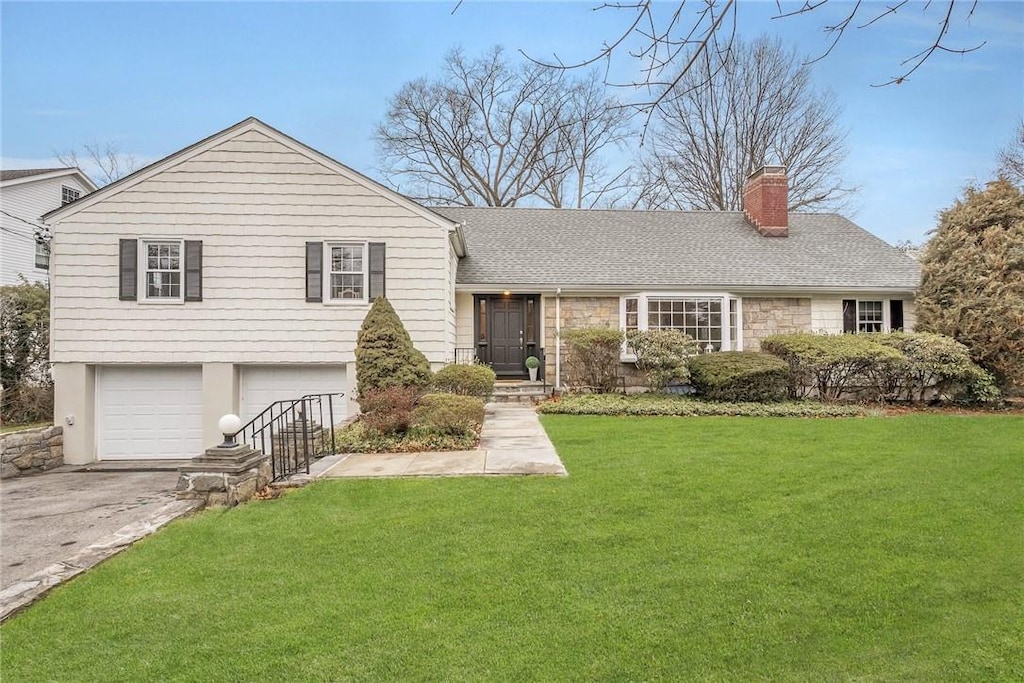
[385, 356]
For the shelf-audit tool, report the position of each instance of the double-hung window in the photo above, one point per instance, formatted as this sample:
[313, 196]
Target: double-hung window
[346, 272]
[163, 269]
[42, 254]
[870, 316]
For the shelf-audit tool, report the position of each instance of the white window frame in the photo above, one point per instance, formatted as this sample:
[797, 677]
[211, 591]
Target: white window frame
[642, 298]
[143, 268]
[886, 307]
[42, 252]
[64, 190]
[365, 258]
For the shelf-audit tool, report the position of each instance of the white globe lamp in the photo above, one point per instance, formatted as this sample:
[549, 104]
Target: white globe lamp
[229, 426]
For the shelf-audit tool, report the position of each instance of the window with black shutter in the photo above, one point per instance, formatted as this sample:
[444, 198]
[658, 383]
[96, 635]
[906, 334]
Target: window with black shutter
[896, 314]
[128, 276]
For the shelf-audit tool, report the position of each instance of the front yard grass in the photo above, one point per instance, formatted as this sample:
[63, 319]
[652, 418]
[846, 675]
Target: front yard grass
[700, 548]
[9, 428]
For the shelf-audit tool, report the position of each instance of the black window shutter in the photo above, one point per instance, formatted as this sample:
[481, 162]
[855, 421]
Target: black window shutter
[378, 277]
[314, 271]
[849, 315]
[896, 314]
[193, 270]
[128, 269]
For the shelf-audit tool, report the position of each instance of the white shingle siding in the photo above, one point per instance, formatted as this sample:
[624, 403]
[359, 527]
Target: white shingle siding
[464, 315]
[28, 200]
[255, 203]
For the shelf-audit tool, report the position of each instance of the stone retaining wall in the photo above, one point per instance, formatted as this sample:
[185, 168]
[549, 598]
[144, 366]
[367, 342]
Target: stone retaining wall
[32, 450]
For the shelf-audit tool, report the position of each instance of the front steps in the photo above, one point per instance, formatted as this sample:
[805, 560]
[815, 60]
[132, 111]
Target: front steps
[520, 391]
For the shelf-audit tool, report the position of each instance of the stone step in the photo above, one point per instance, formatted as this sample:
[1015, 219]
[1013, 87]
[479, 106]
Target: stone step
[535, 396]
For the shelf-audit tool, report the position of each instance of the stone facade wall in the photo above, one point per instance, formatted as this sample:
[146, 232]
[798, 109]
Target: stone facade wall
[778, 315]
[33, 450]
[582, 311]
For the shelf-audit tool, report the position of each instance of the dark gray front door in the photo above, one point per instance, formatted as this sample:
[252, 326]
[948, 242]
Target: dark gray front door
[506, 328]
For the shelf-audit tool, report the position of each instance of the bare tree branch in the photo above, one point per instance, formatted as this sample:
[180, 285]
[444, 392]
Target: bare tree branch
[1011, 158]
[668, 44]
[104, 163]
[758, 106]
[493, 133]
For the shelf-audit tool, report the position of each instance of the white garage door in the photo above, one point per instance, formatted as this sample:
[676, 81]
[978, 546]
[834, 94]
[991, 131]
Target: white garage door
[149, 412]
[262, 385]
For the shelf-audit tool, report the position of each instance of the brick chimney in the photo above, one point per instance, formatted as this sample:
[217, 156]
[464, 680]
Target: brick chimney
[766, 201]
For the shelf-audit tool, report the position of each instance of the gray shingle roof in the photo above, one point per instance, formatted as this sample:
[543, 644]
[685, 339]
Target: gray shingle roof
[25, 172]
[701, 249]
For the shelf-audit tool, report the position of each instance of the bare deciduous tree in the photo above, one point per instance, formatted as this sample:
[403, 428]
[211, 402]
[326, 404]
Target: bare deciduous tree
[104, 163]
[1011, 158]
[668, 39]
[756, 105]
[492, 133]
[592, 122]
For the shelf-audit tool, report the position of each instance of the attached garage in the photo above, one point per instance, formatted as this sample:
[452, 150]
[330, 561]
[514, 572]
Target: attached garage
[262, 385]
[149, 412]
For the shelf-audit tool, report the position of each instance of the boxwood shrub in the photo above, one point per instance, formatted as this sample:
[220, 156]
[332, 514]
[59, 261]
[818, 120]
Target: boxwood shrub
[449, 414]
[467, 380]
[740, 376]
[830, 365]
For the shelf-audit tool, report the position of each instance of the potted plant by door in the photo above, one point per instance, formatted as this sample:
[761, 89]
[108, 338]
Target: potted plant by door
[532, 363]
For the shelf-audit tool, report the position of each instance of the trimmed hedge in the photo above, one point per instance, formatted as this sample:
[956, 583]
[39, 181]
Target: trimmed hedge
[467, 380]
[449, 414]
[832, 365]
[932, 364]
[740, 376]
[893, 366]
[670, 404]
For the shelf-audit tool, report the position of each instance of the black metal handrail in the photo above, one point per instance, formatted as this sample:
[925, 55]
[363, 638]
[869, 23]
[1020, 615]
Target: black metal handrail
[291, 431]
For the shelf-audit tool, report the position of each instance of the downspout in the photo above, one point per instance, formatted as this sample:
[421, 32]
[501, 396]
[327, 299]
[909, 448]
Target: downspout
[558, 338]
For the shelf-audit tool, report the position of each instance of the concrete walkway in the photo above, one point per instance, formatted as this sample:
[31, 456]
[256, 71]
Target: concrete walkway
[512, 441]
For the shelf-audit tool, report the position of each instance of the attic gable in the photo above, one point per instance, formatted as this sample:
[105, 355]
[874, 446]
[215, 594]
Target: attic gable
[250, 135]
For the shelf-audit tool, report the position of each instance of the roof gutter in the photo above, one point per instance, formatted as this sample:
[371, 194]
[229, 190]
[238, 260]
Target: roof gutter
[458, 240]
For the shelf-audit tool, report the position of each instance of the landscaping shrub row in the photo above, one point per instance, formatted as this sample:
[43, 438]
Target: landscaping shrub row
[667, 404]
[740, 376]
[888, 367]
[894, 366]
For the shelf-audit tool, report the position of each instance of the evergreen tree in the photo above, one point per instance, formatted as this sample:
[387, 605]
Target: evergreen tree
[385, 356]
[972, 286]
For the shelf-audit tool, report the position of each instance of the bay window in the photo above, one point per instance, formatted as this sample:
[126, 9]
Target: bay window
[713, 320]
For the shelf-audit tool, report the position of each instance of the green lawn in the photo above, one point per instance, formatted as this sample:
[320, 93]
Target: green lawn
[7, 429]
[700, 548]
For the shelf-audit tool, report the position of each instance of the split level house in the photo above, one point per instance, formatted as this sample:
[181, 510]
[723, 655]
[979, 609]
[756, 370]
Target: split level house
[25, 195]
[237, 272]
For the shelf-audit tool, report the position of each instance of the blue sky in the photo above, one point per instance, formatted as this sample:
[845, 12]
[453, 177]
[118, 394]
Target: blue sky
[155, 77]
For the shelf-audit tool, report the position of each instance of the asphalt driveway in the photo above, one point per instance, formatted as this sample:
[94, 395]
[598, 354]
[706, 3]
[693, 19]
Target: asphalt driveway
[48, 518]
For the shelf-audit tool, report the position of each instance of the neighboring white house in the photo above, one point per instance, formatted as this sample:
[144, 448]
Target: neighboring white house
[237, 272]
[25, 195]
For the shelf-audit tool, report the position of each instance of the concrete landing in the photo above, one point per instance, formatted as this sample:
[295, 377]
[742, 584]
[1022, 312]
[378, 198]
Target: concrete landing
[512, 441]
